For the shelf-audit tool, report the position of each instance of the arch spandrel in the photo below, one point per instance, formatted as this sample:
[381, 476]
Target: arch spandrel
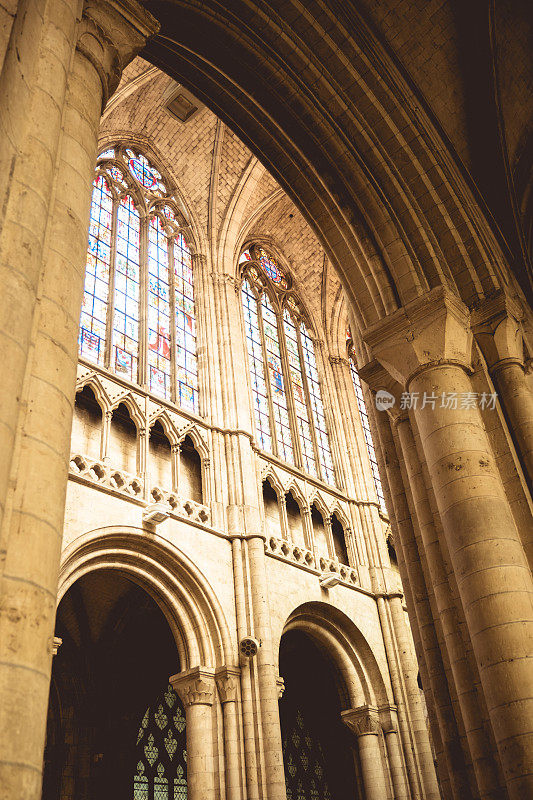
[182, 592]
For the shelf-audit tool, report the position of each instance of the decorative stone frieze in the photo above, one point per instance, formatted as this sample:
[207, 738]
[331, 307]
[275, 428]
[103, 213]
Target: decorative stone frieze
[98, 471]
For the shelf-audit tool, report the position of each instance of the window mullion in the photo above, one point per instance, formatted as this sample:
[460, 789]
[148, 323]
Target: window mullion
[172, 320]
[291, 408]
[310, 411]
[273, 428]
[142, 376]
[111, 286]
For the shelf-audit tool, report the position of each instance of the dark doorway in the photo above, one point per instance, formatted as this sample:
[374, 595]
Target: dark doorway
[317, 747]
[110, 702]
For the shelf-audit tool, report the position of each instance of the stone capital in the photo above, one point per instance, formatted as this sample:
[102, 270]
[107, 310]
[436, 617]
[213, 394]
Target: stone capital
[227, 680]
[388, 717]
[496, 324]
[110, 34]
[362, 721]
[432, 329]
[195, 686]
[280, 683]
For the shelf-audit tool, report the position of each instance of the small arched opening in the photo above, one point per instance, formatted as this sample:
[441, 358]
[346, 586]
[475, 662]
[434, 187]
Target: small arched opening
[190, 487]
[87, 424]
[295, 521]
[122, 448]
[271, 508]
[339, 540]
[160, 457]
[319, 531]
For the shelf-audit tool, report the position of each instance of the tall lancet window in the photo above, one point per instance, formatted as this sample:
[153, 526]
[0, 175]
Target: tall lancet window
[287, 399]
[365, 422]
[138, 315]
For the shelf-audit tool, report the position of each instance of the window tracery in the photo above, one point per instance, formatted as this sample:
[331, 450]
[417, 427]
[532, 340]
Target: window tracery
[138, 314]
[287, 400]
[365, 421]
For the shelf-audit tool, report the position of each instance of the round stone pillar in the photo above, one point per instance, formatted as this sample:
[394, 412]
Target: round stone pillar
[364, 723]
[227, 679]
[109, 35]
[196, 690]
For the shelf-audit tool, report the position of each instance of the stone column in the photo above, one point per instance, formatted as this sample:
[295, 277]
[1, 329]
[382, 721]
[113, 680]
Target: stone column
[104, 439]
[108, 36]
[364, 723]
[464, 674]
[427, 347]
[282, 502]
[389, 724]
[497, 328]
[175, 451]
[227, 679]
[196, 690]
[417, 585]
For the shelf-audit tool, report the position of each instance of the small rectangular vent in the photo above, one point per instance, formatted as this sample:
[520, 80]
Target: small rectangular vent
[182, 107]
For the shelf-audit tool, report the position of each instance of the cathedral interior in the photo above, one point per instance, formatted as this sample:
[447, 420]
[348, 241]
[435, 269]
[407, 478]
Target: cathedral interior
[266, 411]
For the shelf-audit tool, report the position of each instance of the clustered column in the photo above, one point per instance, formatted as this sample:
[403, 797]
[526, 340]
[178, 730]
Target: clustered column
[426, 347]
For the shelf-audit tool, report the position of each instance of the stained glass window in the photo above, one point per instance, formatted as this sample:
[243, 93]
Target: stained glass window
[299, 396]
[324, 452]
[257, 367]
[159, 345]
[361, 405]
[288, 409]
[160, 762]
[93, 321]
[125, 355]
[186, 361]
[138, 315]
[277, 382]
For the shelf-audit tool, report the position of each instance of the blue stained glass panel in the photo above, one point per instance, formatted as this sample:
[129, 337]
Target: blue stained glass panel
[277, 384]
[298, 393]
[93, 318]
[125, 351]
[159, 341]
[187, 379]
[257, 368]
[326, 462]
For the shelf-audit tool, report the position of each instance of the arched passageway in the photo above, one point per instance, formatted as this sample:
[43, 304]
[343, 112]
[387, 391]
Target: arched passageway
[115, 726]
[320, 762]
